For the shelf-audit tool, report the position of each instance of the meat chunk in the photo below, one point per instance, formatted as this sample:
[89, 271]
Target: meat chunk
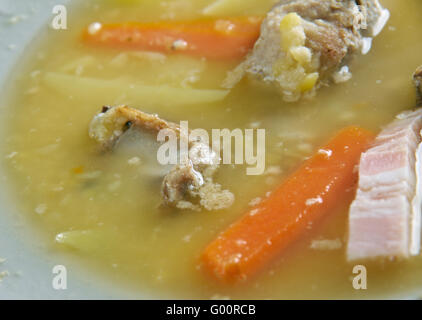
[112, 122]
[186, 182]
[417, 79]
[385, 217]
[307, 43]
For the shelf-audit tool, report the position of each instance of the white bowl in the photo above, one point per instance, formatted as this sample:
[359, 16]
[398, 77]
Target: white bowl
[28, 261]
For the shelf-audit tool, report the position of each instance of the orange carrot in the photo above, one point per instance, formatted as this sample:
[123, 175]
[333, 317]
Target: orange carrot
[308, 195]
[215, 39]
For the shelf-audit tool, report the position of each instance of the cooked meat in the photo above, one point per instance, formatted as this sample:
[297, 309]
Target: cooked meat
[190, 180]
[180, 181]
[385, 217]
[376, 17]
[109, 125]
[307, 43]
[417, 78]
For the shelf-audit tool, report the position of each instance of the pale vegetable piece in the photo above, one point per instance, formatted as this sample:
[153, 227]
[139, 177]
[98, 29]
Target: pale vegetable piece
[120, 60]
[78, 66]
[86, 241]
[238, 7]
[149, 55]
[91, 89]
[178, 71]
[309, 82]
[159, 69]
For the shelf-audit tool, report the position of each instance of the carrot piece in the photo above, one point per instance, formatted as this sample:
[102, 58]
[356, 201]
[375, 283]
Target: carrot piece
[222, 39]
[304, 198]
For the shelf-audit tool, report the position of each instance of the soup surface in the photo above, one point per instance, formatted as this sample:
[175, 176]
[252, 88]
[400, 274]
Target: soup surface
[108, 205]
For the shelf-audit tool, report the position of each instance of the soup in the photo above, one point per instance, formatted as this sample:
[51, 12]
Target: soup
[104, 208]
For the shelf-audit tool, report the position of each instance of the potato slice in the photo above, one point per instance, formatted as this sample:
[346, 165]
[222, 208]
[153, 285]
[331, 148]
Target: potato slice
[119, 91]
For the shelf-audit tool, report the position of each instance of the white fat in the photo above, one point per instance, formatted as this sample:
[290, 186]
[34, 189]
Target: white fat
[392, 177]
[415, 219]
[343, 75]
[366, 45]
[382, 21]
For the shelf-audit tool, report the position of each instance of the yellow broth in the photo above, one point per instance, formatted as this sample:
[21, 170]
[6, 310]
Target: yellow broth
[114, 206]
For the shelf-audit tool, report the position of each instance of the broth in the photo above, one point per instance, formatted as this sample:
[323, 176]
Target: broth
[67, 185]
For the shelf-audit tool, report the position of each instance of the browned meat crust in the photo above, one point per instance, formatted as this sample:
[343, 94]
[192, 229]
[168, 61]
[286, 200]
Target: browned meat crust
[109, 125]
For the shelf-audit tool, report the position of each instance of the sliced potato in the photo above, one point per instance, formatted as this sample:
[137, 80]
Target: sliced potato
[85, 241]
[78, 66]
[124, 91]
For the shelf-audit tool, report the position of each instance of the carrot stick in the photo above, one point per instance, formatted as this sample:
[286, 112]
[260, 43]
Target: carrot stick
[308, 195]
[215, 39]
